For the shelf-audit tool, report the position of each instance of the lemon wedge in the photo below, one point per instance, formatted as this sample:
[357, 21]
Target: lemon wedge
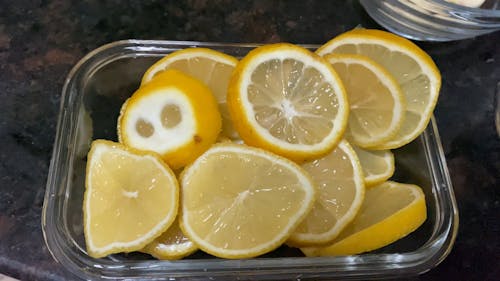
[131, 197]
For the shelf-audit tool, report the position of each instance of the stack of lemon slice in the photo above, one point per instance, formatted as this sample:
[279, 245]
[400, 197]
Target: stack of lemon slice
[284, 146]
[413, 70]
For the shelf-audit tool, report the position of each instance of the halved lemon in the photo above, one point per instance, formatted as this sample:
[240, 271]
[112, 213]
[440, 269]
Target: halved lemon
[378, 165]
[389, 212]
[375, 99]
[174, 115]
[289, 101]
[341, 190]
[413, 69]
[240, 202]
[211, 67]
[171, 244]
[131, 197]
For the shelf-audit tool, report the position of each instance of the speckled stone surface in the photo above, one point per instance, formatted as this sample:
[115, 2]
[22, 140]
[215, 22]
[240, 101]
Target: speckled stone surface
[40, 40]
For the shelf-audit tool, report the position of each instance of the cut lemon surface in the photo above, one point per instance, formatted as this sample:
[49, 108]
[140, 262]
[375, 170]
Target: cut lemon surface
[241, 202]
[378, 165]
[389, 212]
[376, 102]
[413, 69]
[131, 197]
[289, 101]
[174, 115]
[341, 190]
[171, 245]
[211, 67]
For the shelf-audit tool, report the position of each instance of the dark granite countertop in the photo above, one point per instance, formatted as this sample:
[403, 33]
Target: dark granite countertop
[40, 40]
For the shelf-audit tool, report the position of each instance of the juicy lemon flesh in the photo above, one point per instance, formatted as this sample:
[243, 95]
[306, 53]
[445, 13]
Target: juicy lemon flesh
[292, 101]
[340, 191]
[378, 205]
[407, 73]
[250, 206]
[378, 165]
[216, 76]
[371, 102]
[127, 199]
[171, 244]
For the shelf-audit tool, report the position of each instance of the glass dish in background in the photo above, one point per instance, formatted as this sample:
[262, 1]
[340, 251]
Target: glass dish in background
[434, 20]
[90, 103]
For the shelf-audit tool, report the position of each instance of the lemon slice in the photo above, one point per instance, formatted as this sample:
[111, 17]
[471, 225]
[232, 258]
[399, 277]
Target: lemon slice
[389, 212]
[174, 115]
[131, 197]
[413, 69]
[240, 202]
[171, 245]
[376, 102]
[289, 101]
[341, 190]
[210, 67]
[378, 165]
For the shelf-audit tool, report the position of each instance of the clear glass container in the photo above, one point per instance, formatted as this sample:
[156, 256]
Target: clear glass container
[91, 99]
[434, 20]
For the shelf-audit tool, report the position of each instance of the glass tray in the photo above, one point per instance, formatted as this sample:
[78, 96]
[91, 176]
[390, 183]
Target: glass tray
[91, 99]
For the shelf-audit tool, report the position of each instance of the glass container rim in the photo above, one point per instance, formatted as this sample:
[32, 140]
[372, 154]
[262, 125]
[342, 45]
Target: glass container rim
[365, 265]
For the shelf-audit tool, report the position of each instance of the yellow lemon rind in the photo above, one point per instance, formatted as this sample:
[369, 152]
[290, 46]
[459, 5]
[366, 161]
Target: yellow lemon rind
[119, 121]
